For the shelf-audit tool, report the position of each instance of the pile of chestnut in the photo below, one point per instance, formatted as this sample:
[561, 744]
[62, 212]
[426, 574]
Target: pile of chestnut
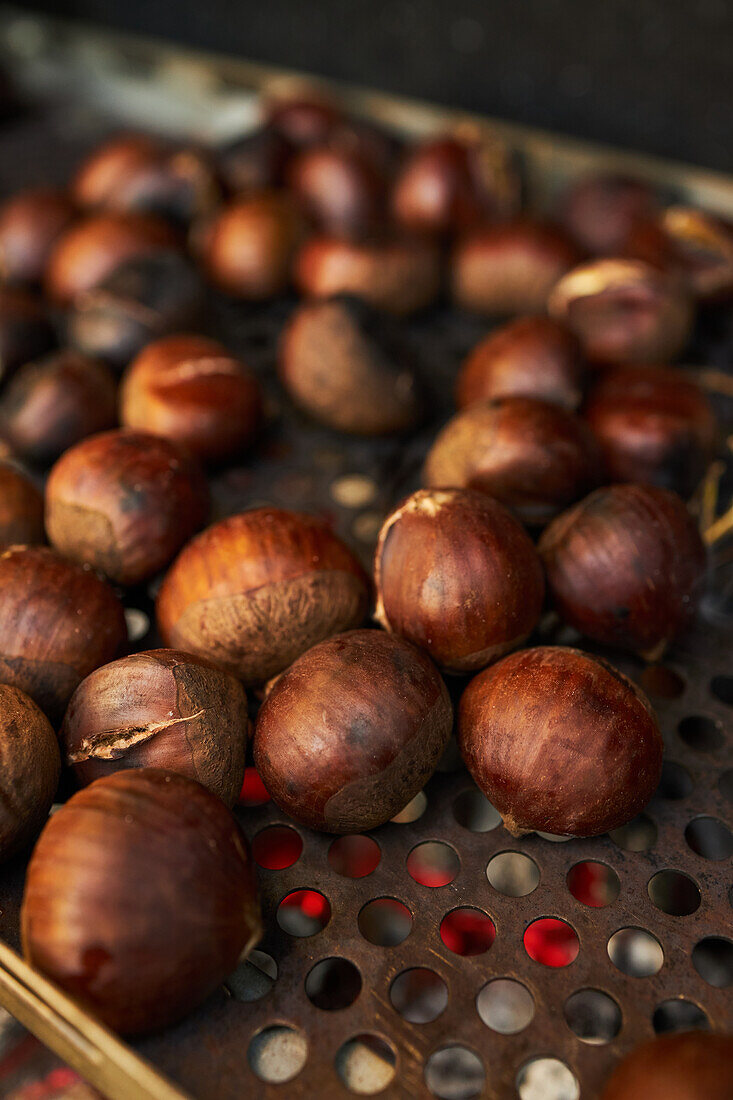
[560, 482]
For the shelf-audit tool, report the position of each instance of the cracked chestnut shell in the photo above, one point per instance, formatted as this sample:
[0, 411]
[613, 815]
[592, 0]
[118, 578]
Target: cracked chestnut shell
[626, 566]
[352, 731]
[600, 211]
[159, 709]
[654, 425]
[58, 622]
[534, 457]
[30, 224]
[25, 330]
[29, 771]
[159, 879]
[344, 364]
[193, 391]
[125, 502]
[21, 508]
[695, 244]
[529, 357]
[254, 591]
[695, 1065]
[457, 575]
[560, 742]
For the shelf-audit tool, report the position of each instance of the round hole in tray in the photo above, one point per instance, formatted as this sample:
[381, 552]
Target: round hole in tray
[709, 838]
[674, 893]
[419, 995]
[473, 811]
[593, 1016]
[638, 835]
[454, 1073]
[513, 874]
[354, 856]
[701, 733]
[253, 791]
[552, 942]
[677, 1014]
[276, 847]
[635, 952]
[547, 1079]
[414, 809]
[661, 681]
[385, 922]
[303, 913]
[593, 883]
[712, 958]
[467, 931]
[433, 863]
[277, 1054]
[722, 688]
[505, 1005]
[333, 984]
[366, 1064]
[675, 782]
[253, 978]
[138, 624]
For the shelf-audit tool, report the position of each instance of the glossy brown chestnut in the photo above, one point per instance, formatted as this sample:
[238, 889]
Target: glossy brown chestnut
[624, 311]
[90, 250]
[21, 508]
[457, 575]
[626, 566]
[534, 457]
[509, 268]
[159, 709]
[160, 881]
[249, 247]
[194, 392]
[654, 425]
[58, 622]
[560, 742]
[254, 162]
[25, 330]
[52, 403]
[399, 276]
[253, 592]
[142, 300]
[30, 224]
[125, 502]
[31, 766]
[693, 243]
[600, 211]
[529, 357]
[344, 364]
[694, 1065]
[304, 120]
[352, 731]
[339, 189]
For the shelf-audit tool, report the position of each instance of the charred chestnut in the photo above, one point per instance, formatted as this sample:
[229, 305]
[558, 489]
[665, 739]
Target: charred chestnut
[534, 457]
[695, 1065]
[21, 508]
[457, 575]
[560, 742]
[25, 330]
[626, 566]
[30, 224]
[156, 869]
[600, 211]
[30, 771]
[352, 731]
[125, 502]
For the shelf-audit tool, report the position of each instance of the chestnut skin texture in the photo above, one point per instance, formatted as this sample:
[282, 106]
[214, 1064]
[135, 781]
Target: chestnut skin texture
[534, 457]
[125, 502]
[140, 898]
[352, 731]
[600, 211]
[509, 268]
[30, 224]
[624, 311]
[94, 246]
[399, 275]
[457, 575]
[693, 1065]
[25, 330]
[193, 391]
[654, 425]
[626, 566]
[21, 508]
[254, 591]
[159, 709]
[342, 363]
[30, 766]
[560, 742]
[58, 622]
[52, 403]
[529, 357]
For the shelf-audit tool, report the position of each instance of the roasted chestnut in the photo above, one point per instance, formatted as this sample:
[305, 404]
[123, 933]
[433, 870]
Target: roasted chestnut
[626, 566]
[694, 1065]
[30, 771]
[159, 709]
[253, 162]
[654, 425]
[248, 249]
[25, 330]
[140, 301]
[125, 502]
[694, 243]
[30, 223]
[345, 364]
[509, 268]
[58, 622]
[52, 403]
[560, 742]
[530, 357]
[624, 311]
[193, 391]
[304, 120]
[90, 250]
[352, 731]
[159, 880]
[534, 457]
[600, 211]
[457, 575]
[398, 275]
[21, 508]
[256, 590]
[339, 189]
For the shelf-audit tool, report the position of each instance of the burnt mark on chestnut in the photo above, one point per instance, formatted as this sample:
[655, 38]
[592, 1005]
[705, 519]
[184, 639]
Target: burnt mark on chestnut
[21, 508]
[25, 329]
[691, 1066]
[560, 742]
[30, 224]
[600, 211]
[31, 766]
[352, 731]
